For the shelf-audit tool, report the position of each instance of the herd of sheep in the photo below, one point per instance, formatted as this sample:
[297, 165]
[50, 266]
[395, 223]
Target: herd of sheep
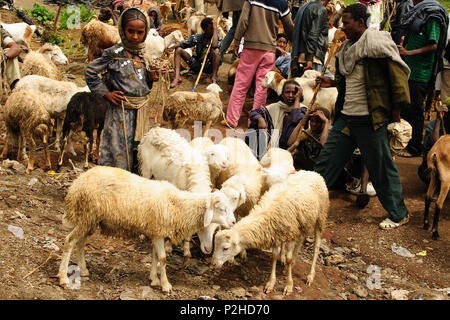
[183, 188]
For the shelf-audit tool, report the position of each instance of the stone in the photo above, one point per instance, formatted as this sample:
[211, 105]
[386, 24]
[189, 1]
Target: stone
[399, 294]
[238, 292]
[148, 293]
[128, 295]
[361, 292]
[334, 259]
[353, 277]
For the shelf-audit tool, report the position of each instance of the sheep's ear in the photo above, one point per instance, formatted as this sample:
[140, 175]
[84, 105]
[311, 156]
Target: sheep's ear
[242, 196]
[208, 217]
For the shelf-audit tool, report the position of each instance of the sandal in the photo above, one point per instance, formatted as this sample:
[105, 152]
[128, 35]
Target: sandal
[178, 82]
[388, 224]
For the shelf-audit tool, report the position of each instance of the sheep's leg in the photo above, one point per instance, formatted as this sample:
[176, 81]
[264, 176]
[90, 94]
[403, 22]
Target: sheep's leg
[167, 244]
[207, 126]
[158, 245]
[312, 272]
[432, 187]
[32, 152]
[187, 249]
[61, 154]
[290, 258]
[5, 147]
[19, 147]
[154, 271]
[70, 241]
[70, 144]
[47, 152]
[439, 204]
[86, 154]
[59, 123]
[273, 276]
[283, 253]
[81, 261]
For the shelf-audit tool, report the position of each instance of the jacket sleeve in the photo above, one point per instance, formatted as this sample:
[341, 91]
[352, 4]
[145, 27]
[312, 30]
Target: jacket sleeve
[319, 22]
[92, 71]
[243, 23]
[399, 85]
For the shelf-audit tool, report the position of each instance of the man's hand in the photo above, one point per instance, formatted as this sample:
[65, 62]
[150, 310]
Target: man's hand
[402, 51]
[115, 97]
[236, 51]
[325, 82]
[441, 111]
[321, 115]
[281, 51]
[262, 124]
[309, 65]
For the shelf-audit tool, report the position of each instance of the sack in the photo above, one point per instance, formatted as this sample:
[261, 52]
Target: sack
[399, 135]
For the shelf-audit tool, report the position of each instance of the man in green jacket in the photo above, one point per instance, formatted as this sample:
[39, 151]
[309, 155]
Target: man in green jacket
[372, 82]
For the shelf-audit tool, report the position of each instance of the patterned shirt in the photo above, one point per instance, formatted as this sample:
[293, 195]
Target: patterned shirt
[421, 65]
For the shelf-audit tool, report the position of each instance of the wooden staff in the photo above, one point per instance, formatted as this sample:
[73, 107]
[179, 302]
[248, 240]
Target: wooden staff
[125, 134]
[311, 108]
[204, 61]
[57, 15]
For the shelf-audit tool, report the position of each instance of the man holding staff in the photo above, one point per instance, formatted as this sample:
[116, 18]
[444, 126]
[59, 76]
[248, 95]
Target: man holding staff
[372, 81]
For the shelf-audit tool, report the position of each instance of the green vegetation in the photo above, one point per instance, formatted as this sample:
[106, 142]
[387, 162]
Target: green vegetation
[41, 14]
[67, 13]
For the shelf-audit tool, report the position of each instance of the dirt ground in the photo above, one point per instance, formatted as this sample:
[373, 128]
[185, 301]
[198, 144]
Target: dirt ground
[356, 259]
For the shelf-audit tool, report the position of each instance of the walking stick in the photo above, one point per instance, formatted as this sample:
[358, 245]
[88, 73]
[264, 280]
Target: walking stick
[204, 62]
[125, 135]
[311, 108]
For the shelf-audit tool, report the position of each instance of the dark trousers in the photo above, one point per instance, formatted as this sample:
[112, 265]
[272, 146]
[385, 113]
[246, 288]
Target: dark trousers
[351, 132]
[414, 114]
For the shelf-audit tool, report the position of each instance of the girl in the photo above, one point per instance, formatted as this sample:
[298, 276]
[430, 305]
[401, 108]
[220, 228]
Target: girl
[126, 84]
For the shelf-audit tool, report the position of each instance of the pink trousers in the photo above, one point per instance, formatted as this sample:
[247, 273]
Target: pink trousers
[252, 63]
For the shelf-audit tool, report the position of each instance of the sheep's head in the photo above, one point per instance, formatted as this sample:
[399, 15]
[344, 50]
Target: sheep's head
[214, 87]
[217, 156]
[227, 245]
[311, 74]
[219, 211]
[57, 56]
[174, 37]
[275, 174]
[268, 79]
[235, 191]
[206, 236]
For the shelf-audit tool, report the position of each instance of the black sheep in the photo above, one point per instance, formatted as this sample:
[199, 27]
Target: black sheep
[85, 112]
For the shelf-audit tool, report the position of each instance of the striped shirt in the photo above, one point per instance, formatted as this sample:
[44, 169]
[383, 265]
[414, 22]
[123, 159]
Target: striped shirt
[259, 22]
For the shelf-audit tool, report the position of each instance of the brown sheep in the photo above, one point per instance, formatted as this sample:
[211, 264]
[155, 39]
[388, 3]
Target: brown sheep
[438, 161]
[98, 36]
[26, 118]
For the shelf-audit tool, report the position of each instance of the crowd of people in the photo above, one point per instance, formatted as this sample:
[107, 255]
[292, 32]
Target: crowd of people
[380, 76]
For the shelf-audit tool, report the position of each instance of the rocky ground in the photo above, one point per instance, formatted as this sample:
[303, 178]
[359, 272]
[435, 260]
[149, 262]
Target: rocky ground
[358, 261]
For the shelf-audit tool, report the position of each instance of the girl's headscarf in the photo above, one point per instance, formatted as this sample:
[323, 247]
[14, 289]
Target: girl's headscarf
[135, 13]
[157, 22]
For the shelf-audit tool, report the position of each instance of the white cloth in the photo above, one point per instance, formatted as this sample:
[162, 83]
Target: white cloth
[372, 44]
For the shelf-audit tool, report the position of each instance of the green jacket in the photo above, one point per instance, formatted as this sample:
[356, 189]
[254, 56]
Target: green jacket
[386, 86]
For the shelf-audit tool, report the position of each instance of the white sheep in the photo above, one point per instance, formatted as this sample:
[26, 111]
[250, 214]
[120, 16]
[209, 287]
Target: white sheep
[187, 105]
[216, 155]
[325, 98]
[20, 32]
[193, 24]
[287, 213]
[155, 44]
[42, 62]
[164, 155]
[55, 94]
[124, 204]
[26, 119]
[277, 164]
[98, 36]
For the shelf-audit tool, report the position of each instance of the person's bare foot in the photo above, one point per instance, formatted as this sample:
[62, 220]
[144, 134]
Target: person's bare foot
[175, 82]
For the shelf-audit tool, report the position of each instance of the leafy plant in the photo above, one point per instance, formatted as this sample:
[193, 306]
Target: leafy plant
[68, 12]
[41, 13]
